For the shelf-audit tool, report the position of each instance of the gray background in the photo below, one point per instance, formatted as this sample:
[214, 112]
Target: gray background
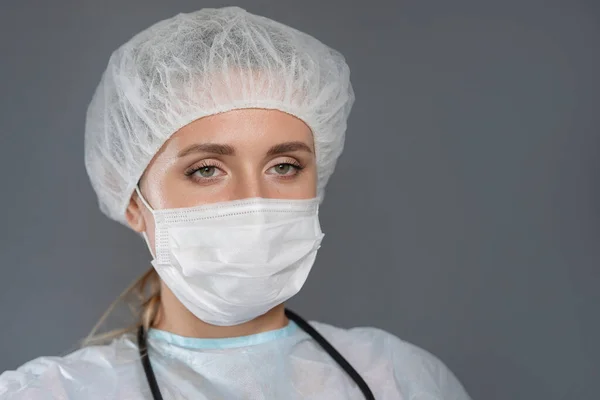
[464, 214]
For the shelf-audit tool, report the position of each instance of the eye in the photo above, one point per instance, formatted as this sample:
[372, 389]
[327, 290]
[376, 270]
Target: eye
[285, 169]
[204, 171]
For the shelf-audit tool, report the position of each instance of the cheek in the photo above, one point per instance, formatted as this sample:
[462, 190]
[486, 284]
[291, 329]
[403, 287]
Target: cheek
[304, 188]
[162, 184]
[313, 181]
[159, 192]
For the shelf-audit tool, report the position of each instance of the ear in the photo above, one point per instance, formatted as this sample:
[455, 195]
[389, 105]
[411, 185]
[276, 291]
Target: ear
[134, 214]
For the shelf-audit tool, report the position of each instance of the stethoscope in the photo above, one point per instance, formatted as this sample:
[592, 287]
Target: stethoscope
[305, 326]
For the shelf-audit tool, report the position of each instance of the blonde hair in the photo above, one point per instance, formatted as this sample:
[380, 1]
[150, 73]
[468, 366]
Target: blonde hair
[143, 299]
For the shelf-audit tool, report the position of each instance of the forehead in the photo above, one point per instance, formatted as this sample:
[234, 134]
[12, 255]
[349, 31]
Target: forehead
[243, 127]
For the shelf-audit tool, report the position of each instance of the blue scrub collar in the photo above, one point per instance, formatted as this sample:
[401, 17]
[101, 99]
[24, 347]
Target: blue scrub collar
[222, 343]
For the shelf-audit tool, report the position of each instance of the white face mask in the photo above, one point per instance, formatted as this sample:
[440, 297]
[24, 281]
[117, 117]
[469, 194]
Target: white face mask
[231, 262]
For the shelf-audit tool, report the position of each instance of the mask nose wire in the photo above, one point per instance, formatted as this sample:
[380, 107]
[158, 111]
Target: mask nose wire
[139, 193]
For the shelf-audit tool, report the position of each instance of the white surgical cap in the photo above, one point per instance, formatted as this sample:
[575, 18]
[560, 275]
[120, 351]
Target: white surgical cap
[202, 63]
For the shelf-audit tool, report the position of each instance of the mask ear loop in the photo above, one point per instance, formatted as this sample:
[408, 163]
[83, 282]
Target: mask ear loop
[137, 190]
[145, 203]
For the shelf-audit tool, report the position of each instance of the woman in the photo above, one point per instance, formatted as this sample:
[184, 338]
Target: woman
[213, 134]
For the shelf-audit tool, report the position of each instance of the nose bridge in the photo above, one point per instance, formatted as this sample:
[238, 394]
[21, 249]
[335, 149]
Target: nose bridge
[249, 184]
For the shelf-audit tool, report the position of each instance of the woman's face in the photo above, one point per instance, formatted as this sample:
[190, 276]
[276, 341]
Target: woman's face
[229, 156]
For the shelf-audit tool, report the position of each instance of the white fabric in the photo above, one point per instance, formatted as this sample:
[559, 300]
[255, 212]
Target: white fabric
[283, 364]
[203, 63]
[230, 262]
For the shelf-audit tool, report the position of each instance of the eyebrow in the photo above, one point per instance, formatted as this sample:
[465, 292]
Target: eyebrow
[227, 150]
[214, 148]
[288, 148]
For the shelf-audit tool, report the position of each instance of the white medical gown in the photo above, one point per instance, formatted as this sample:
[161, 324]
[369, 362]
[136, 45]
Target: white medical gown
[281, 364]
